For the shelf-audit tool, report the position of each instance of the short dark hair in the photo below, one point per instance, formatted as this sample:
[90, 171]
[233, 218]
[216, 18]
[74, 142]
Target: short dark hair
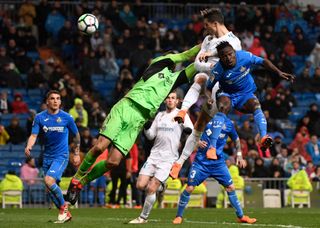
[52, 92]
[223, 45]
[213, 15]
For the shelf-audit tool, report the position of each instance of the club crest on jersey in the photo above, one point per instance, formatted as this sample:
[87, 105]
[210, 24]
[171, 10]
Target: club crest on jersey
[242, 69]
[59, 120]
[208, 132]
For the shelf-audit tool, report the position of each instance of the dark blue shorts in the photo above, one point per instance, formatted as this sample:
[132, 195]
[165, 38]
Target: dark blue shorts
[199, 173]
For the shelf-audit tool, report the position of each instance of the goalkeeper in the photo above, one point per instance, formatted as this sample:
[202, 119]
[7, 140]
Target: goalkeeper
[127, 117]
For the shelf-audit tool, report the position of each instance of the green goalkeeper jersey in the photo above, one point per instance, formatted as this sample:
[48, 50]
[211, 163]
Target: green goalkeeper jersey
[159, 79]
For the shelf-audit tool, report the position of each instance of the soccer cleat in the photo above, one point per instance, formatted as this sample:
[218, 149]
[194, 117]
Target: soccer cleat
[177, 220]
[66, 219]
[137, 207]
[138, 220]
[74, 191]
[247, 219]
[212, 154]
[266, 142]
[174, 172]
[63, 212]
[180, 116]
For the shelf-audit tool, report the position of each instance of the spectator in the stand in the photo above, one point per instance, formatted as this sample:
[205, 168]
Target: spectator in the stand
[4, 136]
[279, 110]
[257, 49]
[140, 57]
[27, 12]
[140, 11]
[4, 103]
[22, 61]
[299, 143]
[289, 48]
[275, 149]
[314, 116]
[310, 169]
[97, 115]
[242, 17]
[259, 169]
[189, 35]
[29, 172]
[29, 42]
[268, 43]
[42, 10]
[36, 78]
[55, 76]
[86, 140]
[276, 170]
[283, 156]
[125, 83]
[66, 99]
[303, 122]
[268, 13]
[108, 65]
[295, 168]
[315, 81]
[282, 37]
[77, 111]
[313, 149]
[96, 41]
[18, 105]
[315, 54]
[302, 45]
[12, 48]
[16, 132]
[246, 131]
[127, 16]
[54, 21]
[316, 175]
[4, 58]
[121, 48]
[9, 77]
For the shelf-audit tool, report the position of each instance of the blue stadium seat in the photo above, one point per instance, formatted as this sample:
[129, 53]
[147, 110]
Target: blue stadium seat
[95, 77]
[5, 148]
[17, 148]
[32, 92]
[34, 55]
[23, 92]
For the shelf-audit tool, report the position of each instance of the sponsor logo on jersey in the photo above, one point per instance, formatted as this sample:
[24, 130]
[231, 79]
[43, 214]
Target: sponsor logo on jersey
[58, 129]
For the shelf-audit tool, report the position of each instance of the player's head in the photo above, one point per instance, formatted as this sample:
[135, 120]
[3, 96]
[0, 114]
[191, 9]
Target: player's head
[226, 54]
[172, 101]
[53, 100]
[212, 20]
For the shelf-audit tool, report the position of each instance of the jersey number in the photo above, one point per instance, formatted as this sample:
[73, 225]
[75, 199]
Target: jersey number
[193, 173]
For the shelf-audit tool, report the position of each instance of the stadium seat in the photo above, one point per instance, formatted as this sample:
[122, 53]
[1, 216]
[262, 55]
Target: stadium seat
[301, 198]
[271, 198]
[172, 193]
[11, 197]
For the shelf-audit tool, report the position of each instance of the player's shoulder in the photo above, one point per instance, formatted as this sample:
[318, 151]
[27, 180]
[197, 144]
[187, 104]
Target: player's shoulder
[65, 114]
[41, 114]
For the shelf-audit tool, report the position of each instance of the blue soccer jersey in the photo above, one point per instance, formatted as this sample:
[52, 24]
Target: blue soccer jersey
[237, 79]
[55, 130]
[227, 130]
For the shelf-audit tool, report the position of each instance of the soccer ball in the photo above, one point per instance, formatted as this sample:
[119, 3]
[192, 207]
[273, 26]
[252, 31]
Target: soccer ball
[88, 23]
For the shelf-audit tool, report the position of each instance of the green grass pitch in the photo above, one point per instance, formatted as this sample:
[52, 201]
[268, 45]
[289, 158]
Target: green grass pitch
[100, 217]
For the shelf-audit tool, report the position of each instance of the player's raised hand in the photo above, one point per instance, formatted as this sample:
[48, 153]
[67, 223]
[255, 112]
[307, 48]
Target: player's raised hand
[202, 144]
[203, 57]
[241, 162]
[286, 76]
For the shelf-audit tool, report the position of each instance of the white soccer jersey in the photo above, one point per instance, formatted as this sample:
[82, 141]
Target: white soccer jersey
[209, 44]
[166, 133]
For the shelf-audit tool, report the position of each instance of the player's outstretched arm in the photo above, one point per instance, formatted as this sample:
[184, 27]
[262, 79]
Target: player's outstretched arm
[31, 141]
[269, 65]
[184, 56]
[239, 160]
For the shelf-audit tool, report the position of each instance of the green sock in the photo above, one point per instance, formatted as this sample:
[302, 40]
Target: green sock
[85, 165]
[97, 171]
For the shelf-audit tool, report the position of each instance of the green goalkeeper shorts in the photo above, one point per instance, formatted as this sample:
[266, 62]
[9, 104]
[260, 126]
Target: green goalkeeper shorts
[124, 123]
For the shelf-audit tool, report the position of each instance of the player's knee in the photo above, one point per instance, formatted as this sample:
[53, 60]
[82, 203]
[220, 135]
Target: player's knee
[201, 78]
[230, 188]
[112, 162]
[189, 189]
[141, 186]
[49, 180]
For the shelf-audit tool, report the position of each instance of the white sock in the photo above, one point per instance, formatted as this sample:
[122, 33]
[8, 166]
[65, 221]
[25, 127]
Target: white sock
[191, 96]
[148, 205]
[191, 143]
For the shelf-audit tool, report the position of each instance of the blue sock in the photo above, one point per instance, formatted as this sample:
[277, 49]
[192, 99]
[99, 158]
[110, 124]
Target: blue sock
[260, 121]
[54, 199]
[91, 197]
[101, 197]
[218, 122]
[56, 192]
[235, 203]
[184, 200]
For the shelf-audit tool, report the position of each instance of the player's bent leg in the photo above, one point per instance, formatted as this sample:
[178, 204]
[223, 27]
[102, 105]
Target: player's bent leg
[183, 202]
[192, 96]
[142, 182]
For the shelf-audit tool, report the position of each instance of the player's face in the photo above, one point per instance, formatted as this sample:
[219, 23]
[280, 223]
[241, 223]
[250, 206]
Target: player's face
[54, 102]
[171, 101]
[228, 57]
[210, 27]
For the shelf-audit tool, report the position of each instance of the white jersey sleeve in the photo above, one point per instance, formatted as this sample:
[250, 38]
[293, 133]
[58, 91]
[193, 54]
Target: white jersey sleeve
[187, 122]
[152, 131]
